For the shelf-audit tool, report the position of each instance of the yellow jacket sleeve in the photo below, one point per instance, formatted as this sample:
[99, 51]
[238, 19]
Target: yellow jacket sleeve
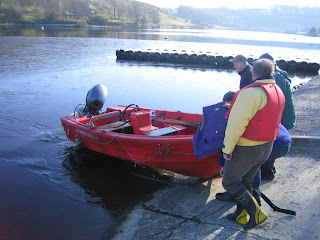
[248, 102]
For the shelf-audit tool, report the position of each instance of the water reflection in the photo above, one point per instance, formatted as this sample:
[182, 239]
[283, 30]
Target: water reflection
[109, 181]
[177, 66]
[36, 30]
[185, 35]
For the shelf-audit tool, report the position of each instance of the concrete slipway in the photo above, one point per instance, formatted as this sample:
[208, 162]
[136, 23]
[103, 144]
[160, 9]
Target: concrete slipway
[192, 212]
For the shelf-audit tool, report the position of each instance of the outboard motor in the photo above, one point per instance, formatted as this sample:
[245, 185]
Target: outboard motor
[96, 97]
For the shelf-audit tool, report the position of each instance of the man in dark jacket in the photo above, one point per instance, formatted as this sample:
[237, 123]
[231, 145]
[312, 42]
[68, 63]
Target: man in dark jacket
[244, 69]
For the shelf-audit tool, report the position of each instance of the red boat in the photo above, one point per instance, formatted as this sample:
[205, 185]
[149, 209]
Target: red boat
[150, 137]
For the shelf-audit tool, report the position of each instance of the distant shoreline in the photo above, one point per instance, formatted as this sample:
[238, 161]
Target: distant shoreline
[73, 25]
[116, 26]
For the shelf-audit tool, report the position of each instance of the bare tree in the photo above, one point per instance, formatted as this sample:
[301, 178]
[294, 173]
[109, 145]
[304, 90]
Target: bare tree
[122, 10]
[114, 4]
[155, 15]
[136, 11]
[77, 7]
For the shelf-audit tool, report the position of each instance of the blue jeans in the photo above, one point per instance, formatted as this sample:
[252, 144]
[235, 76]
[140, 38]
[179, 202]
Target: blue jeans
[256, 183]
[276, 153]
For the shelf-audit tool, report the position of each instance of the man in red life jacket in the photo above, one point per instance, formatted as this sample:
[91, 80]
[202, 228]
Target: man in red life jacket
[253, 124]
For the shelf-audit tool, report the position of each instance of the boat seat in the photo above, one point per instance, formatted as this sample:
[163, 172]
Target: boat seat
[141, 122]
[165, 131]
[115, 126]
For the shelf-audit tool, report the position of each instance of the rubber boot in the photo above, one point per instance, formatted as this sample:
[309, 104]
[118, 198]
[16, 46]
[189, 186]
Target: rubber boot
[240, 216]
[249, 203]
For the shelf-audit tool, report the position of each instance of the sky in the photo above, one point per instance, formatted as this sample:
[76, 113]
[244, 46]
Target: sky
[234, 4]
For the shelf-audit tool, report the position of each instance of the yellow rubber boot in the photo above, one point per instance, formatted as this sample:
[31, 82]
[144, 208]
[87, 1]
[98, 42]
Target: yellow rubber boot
[256, 214]
[240, 216]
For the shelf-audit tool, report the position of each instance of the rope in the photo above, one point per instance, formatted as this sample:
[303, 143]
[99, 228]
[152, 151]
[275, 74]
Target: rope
[181, 152]
[126, 150]
[161, 115]
[135, 160]
[115, 136]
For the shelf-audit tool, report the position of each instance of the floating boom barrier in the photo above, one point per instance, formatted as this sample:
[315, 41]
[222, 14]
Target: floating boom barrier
[208, 60]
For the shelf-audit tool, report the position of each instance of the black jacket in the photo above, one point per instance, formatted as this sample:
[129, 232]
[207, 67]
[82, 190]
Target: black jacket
[246, 76]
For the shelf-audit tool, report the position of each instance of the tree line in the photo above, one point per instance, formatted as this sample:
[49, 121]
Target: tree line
[79, 11]
[286, 19]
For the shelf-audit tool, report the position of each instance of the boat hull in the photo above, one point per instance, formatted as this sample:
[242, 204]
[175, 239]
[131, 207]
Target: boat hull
[174, 153]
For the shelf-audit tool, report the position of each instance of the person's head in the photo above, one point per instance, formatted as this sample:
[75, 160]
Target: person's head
[262, 67]
[239, 63]
[267, 56]
[227, 98]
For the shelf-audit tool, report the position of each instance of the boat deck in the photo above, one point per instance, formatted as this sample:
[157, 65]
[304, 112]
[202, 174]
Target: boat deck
[115, 126]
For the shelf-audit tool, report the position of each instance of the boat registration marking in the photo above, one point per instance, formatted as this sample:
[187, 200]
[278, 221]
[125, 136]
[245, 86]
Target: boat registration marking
[87, 134]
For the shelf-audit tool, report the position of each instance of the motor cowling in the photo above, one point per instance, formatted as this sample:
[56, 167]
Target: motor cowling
[96, 97]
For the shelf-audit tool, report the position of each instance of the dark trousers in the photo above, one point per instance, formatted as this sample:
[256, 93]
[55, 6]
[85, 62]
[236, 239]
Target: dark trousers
[239, 172]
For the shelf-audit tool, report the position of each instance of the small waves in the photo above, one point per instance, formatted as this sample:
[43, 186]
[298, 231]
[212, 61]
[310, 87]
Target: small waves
[37, 149]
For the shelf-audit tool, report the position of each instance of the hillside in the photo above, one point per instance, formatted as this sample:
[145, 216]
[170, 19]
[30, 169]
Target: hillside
[134, 14]
[120, 13]
[284, 19]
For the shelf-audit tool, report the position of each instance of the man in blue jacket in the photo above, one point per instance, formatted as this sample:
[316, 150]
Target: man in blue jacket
[281, 147]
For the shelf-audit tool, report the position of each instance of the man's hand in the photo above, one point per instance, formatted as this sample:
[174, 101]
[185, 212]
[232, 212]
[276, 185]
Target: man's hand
[221, 171]
[226, 104]
[227, 156]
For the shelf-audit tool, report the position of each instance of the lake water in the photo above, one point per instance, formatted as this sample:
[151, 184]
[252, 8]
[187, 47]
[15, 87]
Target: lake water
[45, 74]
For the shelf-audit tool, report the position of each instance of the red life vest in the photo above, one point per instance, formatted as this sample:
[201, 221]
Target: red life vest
[265, 124]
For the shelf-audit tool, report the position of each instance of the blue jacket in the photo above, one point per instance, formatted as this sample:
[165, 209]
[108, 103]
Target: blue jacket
[283, 137]
[209, 137]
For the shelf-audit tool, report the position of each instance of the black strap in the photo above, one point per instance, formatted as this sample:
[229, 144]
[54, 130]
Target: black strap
[274, 207]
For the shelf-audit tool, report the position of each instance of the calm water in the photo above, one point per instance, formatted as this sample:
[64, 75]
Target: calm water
[45, 74]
